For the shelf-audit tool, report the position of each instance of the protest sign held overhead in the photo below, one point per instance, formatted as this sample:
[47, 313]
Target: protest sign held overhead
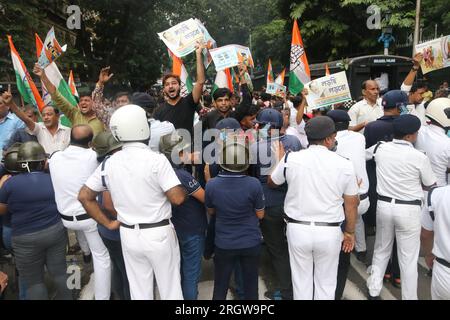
[183, 38]
[436, 54]
[230, 56]
[51, 51]
[328, 90]
[276, 89]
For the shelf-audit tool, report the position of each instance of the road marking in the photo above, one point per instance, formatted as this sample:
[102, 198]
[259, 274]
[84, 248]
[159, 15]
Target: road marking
[352, 292]
[385, 294]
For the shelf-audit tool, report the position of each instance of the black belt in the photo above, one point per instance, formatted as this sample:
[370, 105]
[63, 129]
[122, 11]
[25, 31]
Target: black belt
[147, 225]
[363, 196]
[309, 223]
[443, 262]
[81, 217]
[413, 202]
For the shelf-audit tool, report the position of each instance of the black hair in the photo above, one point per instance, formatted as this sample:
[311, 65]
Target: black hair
[54, 109]
[121, 94]
[297, 100]
[419, 84]
[222, 92]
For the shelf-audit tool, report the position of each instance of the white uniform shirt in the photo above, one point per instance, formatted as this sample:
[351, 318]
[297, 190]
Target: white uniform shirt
[49, 142]
[69, 170]
[401, 171]
[362, 111]
[352, 145]
[440, 201]
[317, 180]
[137, 178]
[436, 145]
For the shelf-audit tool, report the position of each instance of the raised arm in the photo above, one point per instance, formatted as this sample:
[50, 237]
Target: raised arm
[101, 110]
[7, 100]
[301, 108]
[409, 80]
[60, 102]
[197, 91]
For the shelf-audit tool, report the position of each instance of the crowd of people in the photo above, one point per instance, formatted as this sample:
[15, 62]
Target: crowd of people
[148, 205]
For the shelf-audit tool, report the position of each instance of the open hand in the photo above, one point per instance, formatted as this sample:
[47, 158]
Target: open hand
[104, 76]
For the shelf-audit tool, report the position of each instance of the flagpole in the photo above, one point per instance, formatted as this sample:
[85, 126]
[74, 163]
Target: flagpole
[416, 27]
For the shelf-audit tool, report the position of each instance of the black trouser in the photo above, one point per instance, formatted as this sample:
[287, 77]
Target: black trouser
[370, 218]
[343, 267]
[119, 279]
[273, 229]
[224, 263]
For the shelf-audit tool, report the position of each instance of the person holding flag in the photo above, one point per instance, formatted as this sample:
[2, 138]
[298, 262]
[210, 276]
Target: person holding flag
[85, 114]
[9, 124]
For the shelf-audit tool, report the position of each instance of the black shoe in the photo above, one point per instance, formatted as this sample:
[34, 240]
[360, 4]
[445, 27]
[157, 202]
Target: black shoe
[87, 259]
[361, 256]
[73, 249]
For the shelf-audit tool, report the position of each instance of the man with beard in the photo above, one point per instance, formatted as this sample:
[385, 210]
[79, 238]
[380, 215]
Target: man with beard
[180, 110]
[84, 114]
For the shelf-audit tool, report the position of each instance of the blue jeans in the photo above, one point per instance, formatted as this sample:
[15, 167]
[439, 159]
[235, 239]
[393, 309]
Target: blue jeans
[7, 231]
[191, 249]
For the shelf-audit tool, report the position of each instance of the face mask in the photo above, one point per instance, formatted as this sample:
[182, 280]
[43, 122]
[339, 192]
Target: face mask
[448, 133]
[403, 110]
[264, 132]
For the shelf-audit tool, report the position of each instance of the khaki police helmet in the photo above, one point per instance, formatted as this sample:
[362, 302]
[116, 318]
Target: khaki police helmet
[104, 143]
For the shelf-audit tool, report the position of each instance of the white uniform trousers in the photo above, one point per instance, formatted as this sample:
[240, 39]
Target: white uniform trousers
[440, 283]
[314, 257]
[402, 222]
[149, 253]
[84, 246]
[100, 256]
[360, 234]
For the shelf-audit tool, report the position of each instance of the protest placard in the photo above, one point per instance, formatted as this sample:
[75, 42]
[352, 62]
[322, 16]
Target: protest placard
[230, 56]
[328, 90]
[51, 49]
[276, 89]
[436, 54]
[183, 38]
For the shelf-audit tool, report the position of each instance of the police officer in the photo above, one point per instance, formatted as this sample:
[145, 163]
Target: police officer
[143, 186]
[351, 145]
[264, 159]
[435, 226]
[401, 172]
[319, 183]
[434, 141]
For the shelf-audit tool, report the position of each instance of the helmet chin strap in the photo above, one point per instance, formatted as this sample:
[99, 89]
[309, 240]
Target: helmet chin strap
[25, 166]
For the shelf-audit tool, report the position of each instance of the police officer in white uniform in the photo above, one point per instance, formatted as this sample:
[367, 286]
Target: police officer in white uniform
[433, 139]
[401, 172]
[143, 186]
[436, 224]
[319, 183]
[352, 146]
[69, 170]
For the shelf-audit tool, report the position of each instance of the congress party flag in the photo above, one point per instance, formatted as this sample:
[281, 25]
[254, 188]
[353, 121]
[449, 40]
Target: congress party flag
[51, 49]
[72, 86]
[299, 71]
[270, 77]
[280, 78]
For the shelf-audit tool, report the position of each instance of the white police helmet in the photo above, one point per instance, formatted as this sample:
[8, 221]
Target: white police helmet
[129, 123]
[439, 111]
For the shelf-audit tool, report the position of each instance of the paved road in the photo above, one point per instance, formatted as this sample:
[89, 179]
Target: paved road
[355, 288]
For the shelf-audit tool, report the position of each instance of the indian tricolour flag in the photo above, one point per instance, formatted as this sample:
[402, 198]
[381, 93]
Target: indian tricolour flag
[25, 84]
[223, 80]
[179, 69]
[73, 87]
[299, 70]
[280, 79]
[55, 77]
[270, 78]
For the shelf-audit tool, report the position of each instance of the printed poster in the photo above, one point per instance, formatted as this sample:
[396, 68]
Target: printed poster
[436, 54]
[328, 90]
[51, 49]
